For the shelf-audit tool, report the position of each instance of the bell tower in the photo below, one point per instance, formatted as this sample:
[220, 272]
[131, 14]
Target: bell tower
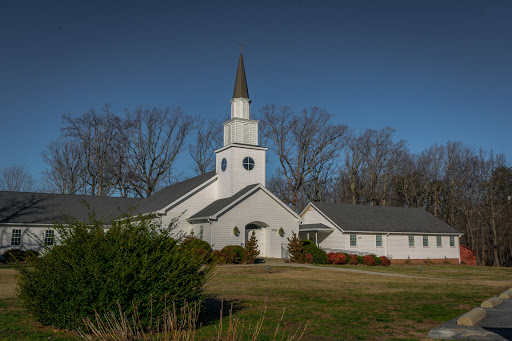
[241, 161]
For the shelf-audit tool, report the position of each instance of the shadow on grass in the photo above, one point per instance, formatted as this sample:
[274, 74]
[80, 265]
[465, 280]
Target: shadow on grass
[212, 306]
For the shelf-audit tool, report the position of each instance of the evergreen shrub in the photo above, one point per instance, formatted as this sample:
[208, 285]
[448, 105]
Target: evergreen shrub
[295, 249]
[95, 267]
[251, 251]
[234, 254]
[319, 255]
[377, 260]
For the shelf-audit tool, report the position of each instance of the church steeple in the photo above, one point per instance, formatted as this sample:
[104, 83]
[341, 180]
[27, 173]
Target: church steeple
[240, 90]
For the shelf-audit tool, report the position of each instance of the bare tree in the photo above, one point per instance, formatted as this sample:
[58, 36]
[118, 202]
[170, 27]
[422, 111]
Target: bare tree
[16, 178]
[155, 137]
[65, 173]
[208, 139]
[306, 145]
[97, 133]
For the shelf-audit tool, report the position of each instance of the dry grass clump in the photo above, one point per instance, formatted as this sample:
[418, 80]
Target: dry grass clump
[174, 326]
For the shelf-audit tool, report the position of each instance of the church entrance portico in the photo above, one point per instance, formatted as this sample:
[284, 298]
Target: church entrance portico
[260, 231]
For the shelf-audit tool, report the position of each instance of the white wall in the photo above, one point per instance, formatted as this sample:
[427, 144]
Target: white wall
[236, 177]
[29, 237]
[334, 240]
[259, 207]
[190, 207]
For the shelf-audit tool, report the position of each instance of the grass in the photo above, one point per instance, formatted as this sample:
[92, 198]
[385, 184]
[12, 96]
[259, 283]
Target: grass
[338, 305]
[441, 271]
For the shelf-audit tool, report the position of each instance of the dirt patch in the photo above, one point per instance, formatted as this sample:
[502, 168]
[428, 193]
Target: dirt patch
[7, 283]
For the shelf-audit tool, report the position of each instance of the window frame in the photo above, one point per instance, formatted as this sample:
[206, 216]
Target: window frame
[354, 244]
[49, 237]
[425, 241]
[16, 237]
[452, 241]
[411, 241]
[224, 164]
[378, 239]
[439, 241]
[248, 163]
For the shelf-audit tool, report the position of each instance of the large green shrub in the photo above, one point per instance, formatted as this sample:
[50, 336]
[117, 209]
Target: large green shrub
[319, 255]
[234, 254]
[95, 267]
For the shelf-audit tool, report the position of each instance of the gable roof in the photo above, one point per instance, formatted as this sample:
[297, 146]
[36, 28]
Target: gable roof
[218, 207]
[170, 194]
[365, 218]
[219, 204]
[46, 208]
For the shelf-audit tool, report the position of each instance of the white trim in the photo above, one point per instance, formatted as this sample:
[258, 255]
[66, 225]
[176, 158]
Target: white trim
[240, 145]
[325, 216]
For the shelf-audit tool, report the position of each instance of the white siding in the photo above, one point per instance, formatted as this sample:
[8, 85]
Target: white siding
[259, 208]
[189, 207]
[334, 240]
[236, 177]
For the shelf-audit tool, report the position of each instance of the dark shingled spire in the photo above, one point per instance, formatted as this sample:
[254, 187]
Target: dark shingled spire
[240, 82]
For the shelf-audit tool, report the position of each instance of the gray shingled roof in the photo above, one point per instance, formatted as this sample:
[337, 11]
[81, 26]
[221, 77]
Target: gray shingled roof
[44, 208]
[367, 218]
[172, 193]
[218, 205]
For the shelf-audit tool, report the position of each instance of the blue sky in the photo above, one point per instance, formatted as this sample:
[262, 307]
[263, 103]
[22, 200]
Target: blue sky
[433, 70]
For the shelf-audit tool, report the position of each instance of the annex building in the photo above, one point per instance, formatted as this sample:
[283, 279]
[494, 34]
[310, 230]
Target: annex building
[224, 206]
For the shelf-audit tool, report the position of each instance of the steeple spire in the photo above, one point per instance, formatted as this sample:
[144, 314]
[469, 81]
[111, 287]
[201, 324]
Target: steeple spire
[240, 90]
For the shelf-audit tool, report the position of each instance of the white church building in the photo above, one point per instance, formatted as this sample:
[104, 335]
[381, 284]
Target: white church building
[224, 206]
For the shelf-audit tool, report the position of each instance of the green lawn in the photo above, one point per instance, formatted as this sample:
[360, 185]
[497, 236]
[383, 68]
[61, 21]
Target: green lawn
[441, 271]
[337, 305]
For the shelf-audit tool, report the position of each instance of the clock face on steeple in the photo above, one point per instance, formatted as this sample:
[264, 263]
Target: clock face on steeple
[248, 163]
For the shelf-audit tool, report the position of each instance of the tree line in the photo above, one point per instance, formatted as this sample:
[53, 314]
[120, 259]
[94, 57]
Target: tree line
[134, 155]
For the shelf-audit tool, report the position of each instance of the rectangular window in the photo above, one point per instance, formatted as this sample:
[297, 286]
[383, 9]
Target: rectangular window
[411, 241]
[16, 237]
[48, 237]
[425, 241]
[439, 241]
[201, 231]
[452, 241]
[378, 241]
[353, 240]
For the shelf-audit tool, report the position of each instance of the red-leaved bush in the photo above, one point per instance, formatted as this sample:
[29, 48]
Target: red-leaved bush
[309, 258]
[353, 260]
[385, 261]
[336, 258]
[368, 260]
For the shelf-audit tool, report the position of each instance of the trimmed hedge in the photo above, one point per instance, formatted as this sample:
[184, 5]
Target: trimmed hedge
[319, 255]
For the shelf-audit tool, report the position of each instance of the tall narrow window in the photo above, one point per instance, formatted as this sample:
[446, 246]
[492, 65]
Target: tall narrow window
[439, 241]
[201, 232]
[425, 241]
[452, 241]
[411, 241]
[16, 237]
[353, 240]
[48, 237]
[378, 241]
